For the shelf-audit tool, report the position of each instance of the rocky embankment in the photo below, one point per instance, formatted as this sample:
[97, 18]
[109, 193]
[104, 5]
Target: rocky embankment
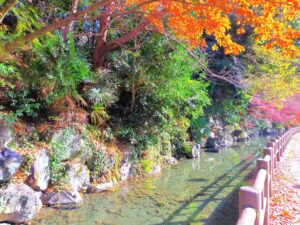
[58, 177]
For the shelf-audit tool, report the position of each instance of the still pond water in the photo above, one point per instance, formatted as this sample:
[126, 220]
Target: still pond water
[193, 192]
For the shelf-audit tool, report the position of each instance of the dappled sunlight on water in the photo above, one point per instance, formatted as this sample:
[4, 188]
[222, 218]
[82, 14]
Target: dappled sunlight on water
[193, 192]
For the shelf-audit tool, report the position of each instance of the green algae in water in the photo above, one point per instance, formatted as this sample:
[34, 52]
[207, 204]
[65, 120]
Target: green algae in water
[196, 191]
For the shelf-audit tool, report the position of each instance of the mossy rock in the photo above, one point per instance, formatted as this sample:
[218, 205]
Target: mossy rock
[70, 143]
[243, 135]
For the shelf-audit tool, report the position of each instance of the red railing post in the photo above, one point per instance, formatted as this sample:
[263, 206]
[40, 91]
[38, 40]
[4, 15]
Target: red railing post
[265, 165]
[271, 145]
[269, 152]
[250, 197]
[280, 145]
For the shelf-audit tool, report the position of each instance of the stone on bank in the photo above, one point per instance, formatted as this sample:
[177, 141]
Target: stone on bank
[10, 161]
[18, 203]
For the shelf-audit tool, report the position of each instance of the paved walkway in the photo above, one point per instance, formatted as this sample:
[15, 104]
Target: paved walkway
[285, 203]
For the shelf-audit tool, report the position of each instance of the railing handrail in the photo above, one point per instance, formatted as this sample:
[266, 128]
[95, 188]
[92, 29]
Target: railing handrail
[254, 201]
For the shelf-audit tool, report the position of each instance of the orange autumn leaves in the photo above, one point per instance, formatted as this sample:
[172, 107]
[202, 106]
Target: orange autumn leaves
[188, 20]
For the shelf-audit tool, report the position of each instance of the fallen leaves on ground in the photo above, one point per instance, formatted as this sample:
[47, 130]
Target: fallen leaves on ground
[285, 200]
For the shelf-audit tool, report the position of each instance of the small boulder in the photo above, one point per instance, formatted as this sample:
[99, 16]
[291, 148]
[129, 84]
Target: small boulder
[212, 144]
[196, 150]
[243, 137]
[18, 203]
[111, 160]
[62, 199]
[5, 136]
[77, 177]
[226, 141]
[236, 133]
[106, 186]
[170, 160]
[125, 171]
[269, 131]
[155, 169]
[10, 162]
[40, 171]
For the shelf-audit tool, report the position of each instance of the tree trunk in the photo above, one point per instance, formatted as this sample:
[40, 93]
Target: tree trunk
[7, 5]
[133, 93]
[101, 47]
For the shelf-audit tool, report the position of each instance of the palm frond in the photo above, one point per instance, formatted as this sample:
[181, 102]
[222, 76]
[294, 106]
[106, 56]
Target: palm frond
[102, 96]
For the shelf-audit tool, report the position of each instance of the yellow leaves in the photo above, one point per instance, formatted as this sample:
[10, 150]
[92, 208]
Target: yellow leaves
[240, 31]
[215, 47]
[276, 78]
[234, 49]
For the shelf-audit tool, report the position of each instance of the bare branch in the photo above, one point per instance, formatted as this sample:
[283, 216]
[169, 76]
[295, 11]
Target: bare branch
[69, 26]
[18, 42]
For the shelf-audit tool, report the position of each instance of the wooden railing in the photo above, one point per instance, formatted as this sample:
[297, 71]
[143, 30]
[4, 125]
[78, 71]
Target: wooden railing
[254, 201]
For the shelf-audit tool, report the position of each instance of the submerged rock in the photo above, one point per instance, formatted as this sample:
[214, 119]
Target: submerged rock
[78, 177]
[62, 199]
[269, 131]
[40, 171]
[10, 161]
[18, 203]
[212, 150]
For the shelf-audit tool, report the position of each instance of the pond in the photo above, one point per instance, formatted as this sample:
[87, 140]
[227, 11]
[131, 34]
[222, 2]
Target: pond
[198, 191]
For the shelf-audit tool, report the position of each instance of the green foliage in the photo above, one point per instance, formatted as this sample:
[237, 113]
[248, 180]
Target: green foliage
[235, 109]
[57, 69]
[8, 118]
[187, 149]
[146, 165]
[104, 90]
[200, 128]
[57, 167]
[97, 164]
[22, 103]
[167, 97]
[228, 103]
[8, 73]
[27, 162]
[21, 20]
[98, 115]
[108, 134]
